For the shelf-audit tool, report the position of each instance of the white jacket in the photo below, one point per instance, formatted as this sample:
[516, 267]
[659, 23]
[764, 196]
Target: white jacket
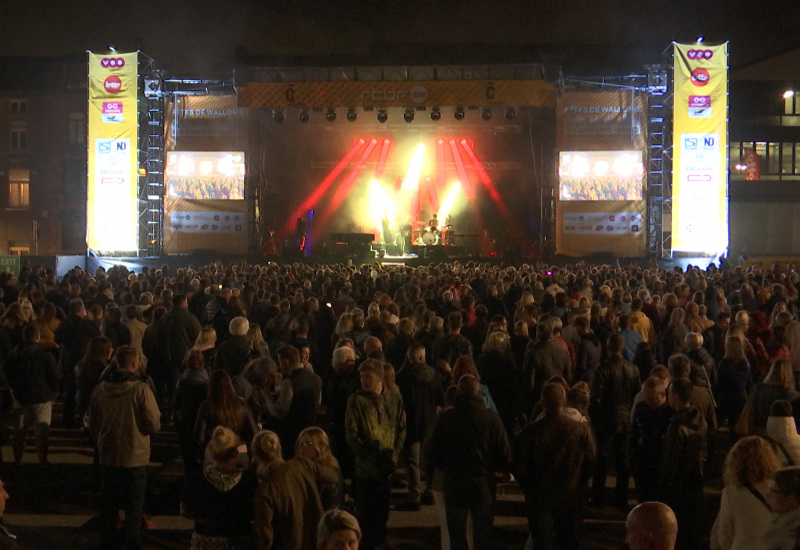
[783, 430]
[741, 520]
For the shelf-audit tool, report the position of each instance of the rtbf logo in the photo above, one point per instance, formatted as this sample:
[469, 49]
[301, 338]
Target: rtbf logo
[112, 84]
[699, 54]
[112, 62]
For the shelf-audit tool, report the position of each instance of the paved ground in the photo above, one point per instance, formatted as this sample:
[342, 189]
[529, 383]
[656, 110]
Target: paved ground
[52, 508]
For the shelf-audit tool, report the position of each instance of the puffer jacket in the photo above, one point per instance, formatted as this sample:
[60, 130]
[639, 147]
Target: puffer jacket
[123, 416]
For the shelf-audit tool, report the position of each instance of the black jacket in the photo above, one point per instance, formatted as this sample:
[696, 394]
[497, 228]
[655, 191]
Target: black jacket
[615, 385]
[684, 452]
[33, 374]
[73, 335]
[422, 392]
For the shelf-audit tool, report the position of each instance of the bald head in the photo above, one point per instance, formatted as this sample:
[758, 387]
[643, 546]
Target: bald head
[651, 526]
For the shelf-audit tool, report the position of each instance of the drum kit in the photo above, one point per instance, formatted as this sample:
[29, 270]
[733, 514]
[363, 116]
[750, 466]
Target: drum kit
[430, 236]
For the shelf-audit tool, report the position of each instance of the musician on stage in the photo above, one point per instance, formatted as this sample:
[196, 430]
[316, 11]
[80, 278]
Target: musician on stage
[433, 223]
[407, 231]
[388, 238]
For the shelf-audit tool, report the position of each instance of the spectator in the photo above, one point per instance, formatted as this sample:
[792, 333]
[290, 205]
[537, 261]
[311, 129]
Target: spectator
[232, 354]
[651, 526]
[338, 530]
[73, 336]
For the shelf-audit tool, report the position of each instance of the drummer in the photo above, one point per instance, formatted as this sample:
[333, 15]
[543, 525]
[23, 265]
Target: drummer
[433, 224]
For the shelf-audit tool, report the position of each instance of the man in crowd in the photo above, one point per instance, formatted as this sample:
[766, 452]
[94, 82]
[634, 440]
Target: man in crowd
[123, 416]
[554, 458]
[375, 428]
[73, 336]
[233, 353]
[176, 333]
[651, 526]
[469, 444]
[544, 359]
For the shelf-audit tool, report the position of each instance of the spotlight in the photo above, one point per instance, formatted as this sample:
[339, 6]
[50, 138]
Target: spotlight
[330, 114]
[486, 113]
[511, 113]
[700, 39]
[787, 94]
[351, 114]
[459, 113]
[436, 114]
[382, 115]
[408, 114]
[303, 116]
[278, 115]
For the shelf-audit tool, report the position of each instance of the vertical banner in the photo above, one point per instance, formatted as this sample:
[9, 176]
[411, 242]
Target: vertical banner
[112, 187]
[700, 145]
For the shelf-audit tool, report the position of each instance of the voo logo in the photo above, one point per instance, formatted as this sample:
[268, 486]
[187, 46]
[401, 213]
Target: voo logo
[700, 54]
[112, 62]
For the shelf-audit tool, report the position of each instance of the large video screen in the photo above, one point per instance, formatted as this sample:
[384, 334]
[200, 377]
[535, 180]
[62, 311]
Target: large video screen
[600, 175]
[216, 175]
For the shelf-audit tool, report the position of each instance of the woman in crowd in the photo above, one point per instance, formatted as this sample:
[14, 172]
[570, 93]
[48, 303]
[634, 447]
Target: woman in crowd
[338, 530]
[675, 335]
[190, 393]
[88, 370]
[501, 376]
[12, 322]
[206, 344]
[314, 445]
[223, 408]
[220, 498]
[744, 514]
[782, 430]
[778, 384]
[734, 382]
[48, 322]
[466, 365]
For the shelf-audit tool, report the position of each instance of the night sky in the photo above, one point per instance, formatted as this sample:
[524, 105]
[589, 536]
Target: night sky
[587, 37]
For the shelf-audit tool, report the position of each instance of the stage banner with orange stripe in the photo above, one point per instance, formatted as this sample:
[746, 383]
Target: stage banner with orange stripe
[700, 149]
[112, 210]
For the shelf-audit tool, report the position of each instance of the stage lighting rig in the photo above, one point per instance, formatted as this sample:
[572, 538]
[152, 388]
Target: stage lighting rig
[459, 113]
[511, 113]
[408, 114]
[303, 116]
[278, 115]
[383, 116]
[436, 113]
[486, 113]
[330, 114]
[352, 115]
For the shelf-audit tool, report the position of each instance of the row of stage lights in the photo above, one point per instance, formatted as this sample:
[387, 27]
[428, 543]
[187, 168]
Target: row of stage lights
[304, 115]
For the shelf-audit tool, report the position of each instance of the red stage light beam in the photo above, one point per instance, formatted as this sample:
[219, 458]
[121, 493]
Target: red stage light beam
[382, 160]
[441, 166]
[462, 173]
[344, 188]
[312, 199]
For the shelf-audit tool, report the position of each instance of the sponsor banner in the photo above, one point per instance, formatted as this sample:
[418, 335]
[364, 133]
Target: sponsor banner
[700, 145]
[112, 184]
[207, 222]
[523, 93]
[208, 225]
[589, 227]
[603, 223]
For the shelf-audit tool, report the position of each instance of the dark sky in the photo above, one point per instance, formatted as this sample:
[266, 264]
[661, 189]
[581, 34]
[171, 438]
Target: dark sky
[193, 37]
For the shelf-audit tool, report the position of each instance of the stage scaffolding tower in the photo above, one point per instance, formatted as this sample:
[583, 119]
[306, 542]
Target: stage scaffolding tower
[151, 167]
[659, 162]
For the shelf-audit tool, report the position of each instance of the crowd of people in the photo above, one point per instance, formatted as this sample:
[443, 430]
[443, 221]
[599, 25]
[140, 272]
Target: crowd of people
[205, 187]
[297, 391]
[601, 188]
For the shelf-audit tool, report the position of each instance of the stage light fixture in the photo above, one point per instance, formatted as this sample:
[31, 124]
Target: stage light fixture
[303, 116]
[330, 114]
[486, 113]
[436, 113]
[278, 115]
[408, 114]
[383, 116]
[352, 115]
[459, 113]
[511, 113]
[788, 93]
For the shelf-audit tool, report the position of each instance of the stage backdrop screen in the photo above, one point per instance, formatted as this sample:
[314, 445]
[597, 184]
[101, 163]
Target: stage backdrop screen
[205, 175]
[600, 175]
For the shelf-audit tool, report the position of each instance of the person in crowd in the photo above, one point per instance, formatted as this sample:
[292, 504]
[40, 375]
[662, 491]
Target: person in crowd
[8, 541]
[744, 514]
[714, 336]
[614, 387]
[222, 407]
[343, 383]
[734, 382]
[674, 340]
[553, 462]
[220, 499]
[782, 432]
[466, 365]
[500, 376]
[543, 360]
[136, 327]
[375, 428]
[777, 384]
[453, 345]
[288, 505]
[588, 350]
[631, 338]
[423, 394]
[681, 475]
[469, 444]
[232, 354]
[296, 402]
[114, 329]
[206, 344]
[651, 526]
[338, 530]
[648, 427]
[313, 444]
[190, 393]
[73, 336]
[34, 377]
[783, 532]
[123, 414]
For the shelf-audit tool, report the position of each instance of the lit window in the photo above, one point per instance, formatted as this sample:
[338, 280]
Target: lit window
[19, 188]
[77, 128]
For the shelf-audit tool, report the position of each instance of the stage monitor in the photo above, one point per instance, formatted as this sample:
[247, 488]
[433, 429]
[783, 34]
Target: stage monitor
[600, 175]
[205, 175]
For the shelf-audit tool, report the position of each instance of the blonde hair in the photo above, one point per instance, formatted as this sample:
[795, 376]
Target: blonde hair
[749, 462]
[266, 447]
[318, 439]
[734, 348]
[496, 341]
[224, 444]
[206, 337]
[780, 374]
[333, 521]
[389, 377]
[693, 340]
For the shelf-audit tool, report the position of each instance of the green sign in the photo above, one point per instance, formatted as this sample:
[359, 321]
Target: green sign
[10, 264]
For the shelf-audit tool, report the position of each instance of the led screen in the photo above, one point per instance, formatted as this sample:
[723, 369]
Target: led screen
[205, 175]
[600, 175]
